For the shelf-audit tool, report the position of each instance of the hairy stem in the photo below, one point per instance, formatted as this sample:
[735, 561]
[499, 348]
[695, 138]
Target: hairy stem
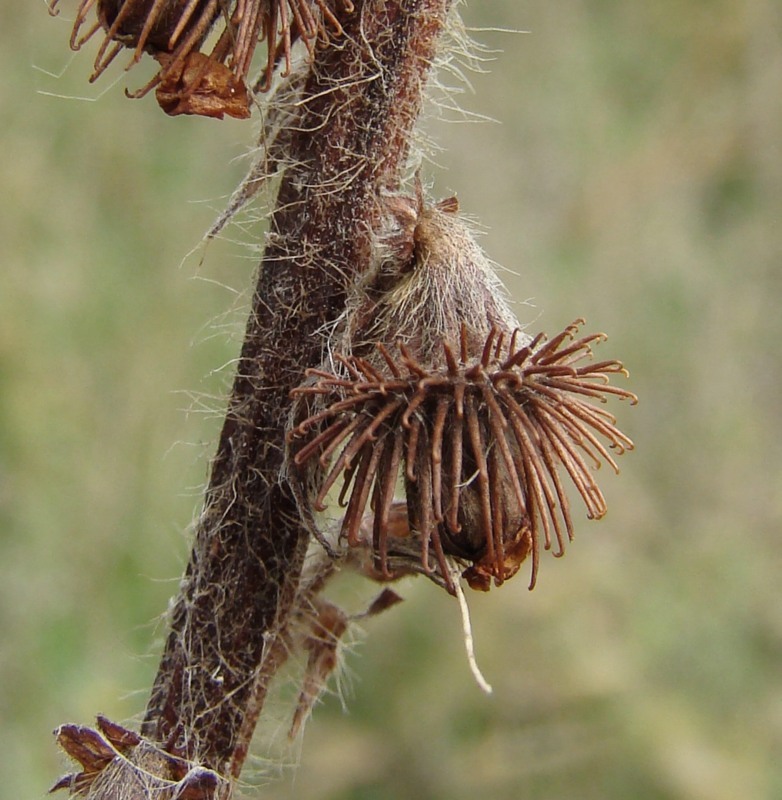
[228, 624]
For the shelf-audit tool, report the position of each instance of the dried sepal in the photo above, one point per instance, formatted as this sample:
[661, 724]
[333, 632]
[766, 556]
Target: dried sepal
[326, 627]
[89, 749]
[480, 443]
[200, 85]
[321, 645]
[173, 31]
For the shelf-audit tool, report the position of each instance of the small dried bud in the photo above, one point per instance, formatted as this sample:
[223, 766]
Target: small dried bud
[434, 385]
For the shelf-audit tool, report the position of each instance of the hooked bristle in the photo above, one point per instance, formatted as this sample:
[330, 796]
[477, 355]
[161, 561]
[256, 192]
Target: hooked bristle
[480, 444]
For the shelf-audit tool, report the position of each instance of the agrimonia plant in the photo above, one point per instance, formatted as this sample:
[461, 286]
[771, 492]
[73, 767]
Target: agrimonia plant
[383, 373]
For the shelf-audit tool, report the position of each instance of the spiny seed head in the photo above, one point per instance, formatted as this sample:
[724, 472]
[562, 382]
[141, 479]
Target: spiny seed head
[480, 443]
[431, 385]
[172, 31]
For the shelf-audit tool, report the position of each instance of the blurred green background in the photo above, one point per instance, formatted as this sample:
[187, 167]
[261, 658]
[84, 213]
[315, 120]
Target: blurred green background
[635, 179]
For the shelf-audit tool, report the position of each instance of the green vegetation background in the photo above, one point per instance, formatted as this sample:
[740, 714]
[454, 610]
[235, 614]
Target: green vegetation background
[635, 179]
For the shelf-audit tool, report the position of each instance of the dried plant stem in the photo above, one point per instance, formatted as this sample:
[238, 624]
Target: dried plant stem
[228, 624]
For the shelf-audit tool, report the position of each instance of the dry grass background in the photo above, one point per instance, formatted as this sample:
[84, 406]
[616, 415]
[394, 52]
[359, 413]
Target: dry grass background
[636, 179]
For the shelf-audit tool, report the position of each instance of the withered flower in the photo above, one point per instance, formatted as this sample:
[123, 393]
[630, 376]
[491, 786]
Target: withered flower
[432, 385]
[173, 32]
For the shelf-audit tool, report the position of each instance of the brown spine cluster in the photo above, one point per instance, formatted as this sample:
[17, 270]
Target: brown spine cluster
[474, 421]
[210, 84]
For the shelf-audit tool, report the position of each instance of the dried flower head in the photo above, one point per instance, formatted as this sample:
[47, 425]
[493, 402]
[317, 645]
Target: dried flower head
[173, 31]
[432, 386]
[479, 443]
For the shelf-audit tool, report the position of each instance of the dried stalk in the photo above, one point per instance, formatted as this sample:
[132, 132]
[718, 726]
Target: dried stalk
[229, 622]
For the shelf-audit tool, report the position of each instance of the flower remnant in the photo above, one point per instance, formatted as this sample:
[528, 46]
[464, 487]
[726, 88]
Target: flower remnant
[173, 31]
[111, 755]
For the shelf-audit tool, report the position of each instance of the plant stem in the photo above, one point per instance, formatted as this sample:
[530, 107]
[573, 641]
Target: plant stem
[229, 623]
